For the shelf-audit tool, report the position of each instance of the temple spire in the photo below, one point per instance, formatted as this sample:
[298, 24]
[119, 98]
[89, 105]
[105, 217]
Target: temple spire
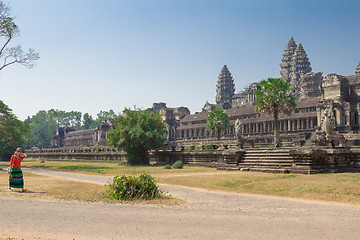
[286, 60]
[357, 72]
[300, 66]
[225, 88]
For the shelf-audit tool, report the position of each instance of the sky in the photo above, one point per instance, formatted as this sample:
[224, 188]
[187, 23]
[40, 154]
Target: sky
[110, 54]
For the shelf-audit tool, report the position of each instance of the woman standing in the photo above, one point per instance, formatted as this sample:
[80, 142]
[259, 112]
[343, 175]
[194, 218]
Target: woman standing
[16, 179]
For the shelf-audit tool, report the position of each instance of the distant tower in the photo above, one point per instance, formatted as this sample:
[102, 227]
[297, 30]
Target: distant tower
[225, 88]
[286, 60]
[300, 66]
[357, 72]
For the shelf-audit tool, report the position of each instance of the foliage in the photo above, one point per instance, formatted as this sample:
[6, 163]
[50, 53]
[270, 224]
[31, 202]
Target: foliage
[133, 188]
[274, 98]
[44, 123]
[137, 132]
[101, 116]
[9, 30]
[218, 120]
[178, 165]
[12, 131]
[87, 121]
[207, 147]
[167, 166]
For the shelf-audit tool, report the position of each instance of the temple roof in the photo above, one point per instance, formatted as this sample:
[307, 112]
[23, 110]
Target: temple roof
[353, 79]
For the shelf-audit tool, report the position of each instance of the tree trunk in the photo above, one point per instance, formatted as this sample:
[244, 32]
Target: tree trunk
[276, 129]
[218, 134]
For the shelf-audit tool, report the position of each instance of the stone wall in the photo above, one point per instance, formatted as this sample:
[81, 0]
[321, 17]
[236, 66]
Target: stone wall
[302, 160]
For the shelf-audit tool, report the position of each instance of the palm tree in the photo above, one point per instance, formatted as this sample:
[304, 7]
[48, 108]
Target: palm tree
[218, 120]
[275, 97]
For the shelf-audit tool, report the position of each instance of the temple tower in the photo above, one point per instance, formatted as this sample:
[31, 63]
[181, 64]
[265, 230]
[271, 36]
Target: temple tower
[295, 64]
[287, 60]
[357, 72]
[225, 88]
[300, 66]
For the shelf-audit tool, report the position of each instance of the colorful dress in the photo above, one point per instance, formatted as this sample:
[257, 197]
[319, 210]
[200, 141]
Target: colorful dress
[16, 179]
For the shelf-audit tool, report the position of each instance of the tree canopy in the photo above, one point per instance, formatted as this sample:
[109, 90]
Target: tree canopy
[12, 131]
[217, 120]
[136, 132]
[273, 98]
[9, 30]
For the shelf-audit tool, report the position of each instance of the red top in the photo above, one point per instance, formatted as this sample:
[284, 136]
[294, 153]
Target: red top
[16, 162]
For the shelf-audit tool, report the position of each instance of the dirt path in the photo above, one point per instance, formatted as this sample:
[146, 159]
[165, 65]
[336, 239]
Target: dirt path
[208, 215]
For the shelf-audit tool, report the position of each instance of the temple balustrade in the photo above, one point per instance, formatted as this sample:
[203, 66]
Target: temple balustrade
[254, 128]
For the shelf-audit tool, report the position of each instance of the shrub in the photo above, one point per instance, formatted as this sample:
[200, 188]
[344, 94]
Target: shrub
[167, 167]
[207, 147]
[128, 188]
[122, 163]
[178, 165]
[197, 148]
[270, 146]
[42, 161]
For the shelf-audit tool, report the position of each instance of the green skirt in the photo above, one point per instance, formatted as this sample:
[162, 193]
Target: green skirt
[16, 179]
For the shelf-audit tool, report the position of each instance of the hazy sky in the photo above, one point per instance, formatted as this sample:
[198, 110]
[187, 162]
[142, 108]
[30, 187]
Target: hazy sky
[111, 54]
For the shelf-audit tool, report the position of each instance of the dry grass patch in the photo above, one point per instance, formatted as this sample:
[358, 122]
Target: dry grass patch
[55, 188]
[342, 187]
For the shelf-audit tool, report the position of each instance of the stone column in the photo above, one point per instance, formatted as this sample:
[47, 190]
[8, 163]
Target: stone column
[289, 125]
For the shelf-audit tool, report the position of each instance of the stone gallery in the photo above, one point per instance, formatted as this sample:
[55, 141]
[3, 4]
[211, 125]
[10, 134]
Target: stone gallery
[326, 114]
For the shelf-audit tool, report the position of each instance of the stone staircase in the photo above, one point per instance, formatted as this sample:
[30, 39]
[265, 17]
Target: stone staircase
[265, 160]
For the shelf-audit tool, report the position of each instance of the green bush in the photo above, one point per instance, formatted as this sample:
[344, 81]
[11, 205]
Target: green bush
[42, 161]
[128, 188]
[178, 165]
[270, 146]
[167, 167]
[197, 148]
[207, 147]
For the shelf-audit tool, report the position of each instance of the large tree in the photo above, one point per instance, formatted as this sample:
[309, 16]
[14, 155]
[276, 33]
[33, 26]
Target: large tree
[218, 120]
[136, 132]
[9, 30]
[12, 132]
[273, 98]
[44, 123]
[87, 121]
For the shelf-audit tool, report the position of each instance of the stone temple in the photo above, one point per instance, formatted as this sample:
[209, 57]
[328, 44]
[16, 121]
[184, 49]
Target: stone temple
[316, 96]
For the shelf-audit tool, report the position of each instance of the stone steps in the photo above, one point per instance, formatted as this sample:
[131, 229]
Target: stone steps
[264, 160]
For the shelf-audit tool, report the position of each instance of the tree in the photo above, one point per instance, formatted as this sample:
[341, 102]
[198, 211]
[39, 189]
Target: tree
[12, 131]
[218, 120]
[42, 129]
[87, 121]
[101, 116]
[136, 132]
[275, 97]
[44, 123]
[9, 30]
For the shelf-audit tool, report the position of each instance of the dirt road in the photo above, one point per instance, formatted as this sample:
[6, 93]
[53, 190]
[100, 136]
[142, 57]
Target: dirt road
[207, 215]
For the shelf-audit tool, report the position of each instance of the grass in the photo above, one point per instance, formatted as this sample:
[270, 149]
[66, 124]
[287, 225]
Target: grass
[342, 187]
[54, 188]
